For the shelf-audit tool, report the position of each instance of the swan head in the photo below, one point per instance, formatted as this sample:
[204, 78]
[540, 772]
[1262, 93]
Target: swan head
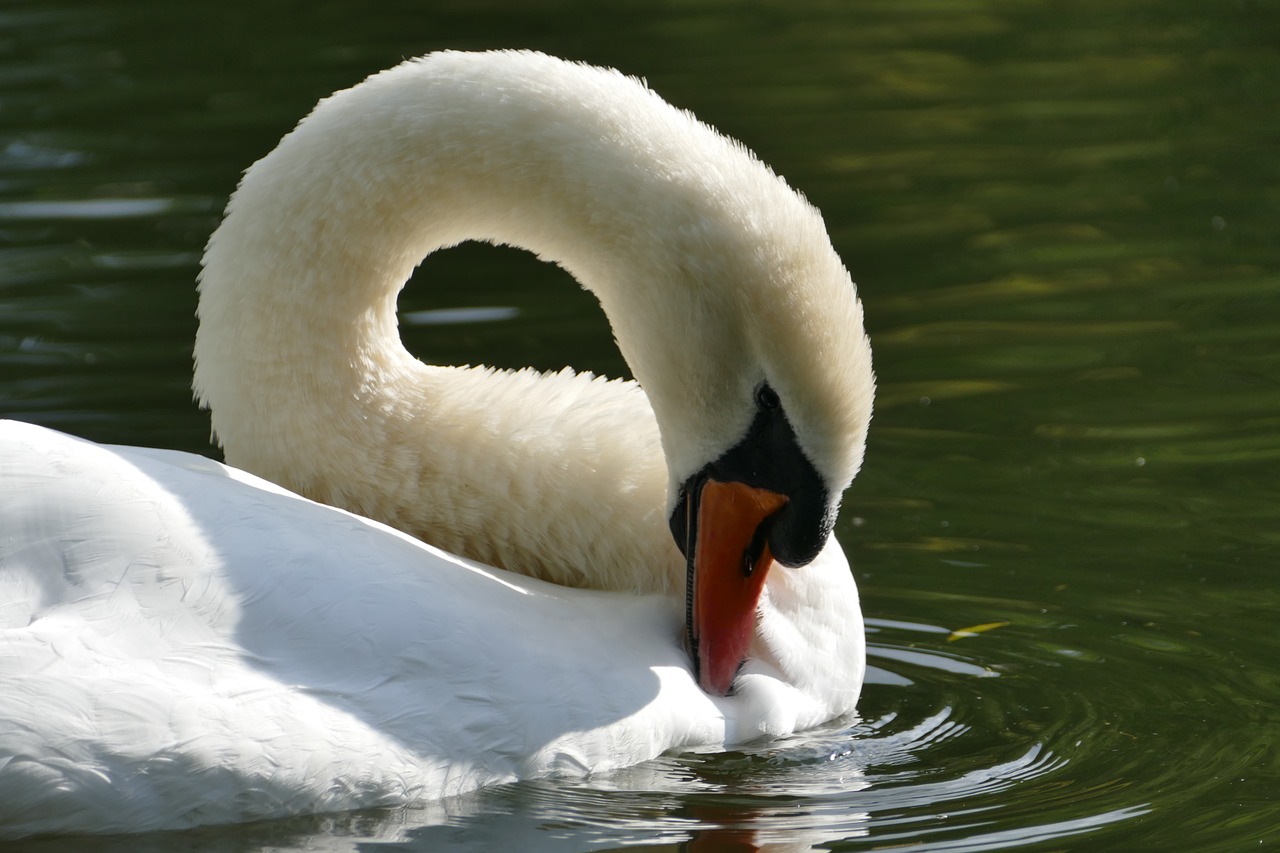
[760, 376]
[759, 502]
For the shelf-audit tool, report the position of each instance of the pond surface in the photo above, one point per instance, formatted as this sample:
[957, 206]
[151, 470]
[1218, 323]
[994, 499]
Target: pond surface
[1063, 221]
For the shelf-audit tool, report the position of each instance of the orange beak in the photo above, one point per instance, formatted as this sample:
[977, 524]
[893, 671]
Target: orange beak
[730, 561]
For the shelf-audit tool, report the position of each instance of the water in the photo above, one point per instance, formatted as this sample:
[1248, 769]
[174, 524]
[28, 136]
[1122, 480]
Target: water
[1062, 219]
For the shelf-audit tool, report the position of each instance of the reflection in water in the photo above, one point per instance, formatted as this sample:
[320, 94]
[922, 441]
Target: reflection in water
[1062, 219]
[98, 208]
[449, 316]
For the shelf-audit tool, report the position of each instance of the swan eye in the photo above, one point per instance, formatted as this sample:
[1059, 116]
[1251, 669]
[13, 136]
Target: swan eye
[767, 398]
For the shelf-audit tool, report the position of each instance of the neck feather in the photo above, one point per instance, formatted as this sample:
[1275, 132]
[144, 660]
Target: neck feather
[298, 354]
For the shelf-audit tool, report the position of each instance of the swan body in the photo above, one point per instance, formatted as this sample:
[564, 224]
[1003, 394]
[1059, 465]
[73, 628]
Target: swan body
[183, 643]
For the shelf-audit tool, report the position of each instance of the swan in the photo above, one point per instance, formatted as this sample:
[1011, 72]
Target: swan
[413, 580]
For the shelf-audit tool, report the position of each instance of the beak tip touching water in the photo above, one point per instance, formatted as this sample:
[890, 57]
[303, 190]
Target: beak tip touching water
[729, 563]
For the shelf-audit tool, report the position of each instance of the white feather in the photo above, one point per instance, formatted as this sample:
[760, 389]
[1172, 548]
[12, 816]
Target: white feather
[714, 275]
[182, 643]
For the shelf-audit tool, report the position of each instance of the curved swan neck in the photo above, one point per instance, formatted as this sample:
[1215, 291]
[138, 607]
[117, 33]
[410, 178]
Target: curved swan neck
[299, 357]
[682, 235]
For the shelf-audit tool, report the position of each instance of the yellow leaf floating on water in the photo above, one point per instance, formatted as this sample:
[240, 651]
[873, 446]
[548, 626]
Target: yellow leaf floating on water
[975, 630]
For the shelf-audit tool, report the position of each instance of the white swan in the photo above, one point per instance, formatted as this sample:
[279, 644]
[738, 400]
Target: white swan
[182, 643]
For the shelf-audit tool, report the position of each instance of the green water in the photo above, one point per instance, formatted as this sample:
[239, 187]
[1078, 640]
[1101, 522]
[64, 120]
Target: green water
[1062, 218]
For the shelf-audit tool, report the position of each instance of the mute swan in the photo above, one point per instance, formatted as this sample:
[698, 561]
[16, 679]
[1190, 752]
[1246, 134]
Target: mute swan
[183, 643]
